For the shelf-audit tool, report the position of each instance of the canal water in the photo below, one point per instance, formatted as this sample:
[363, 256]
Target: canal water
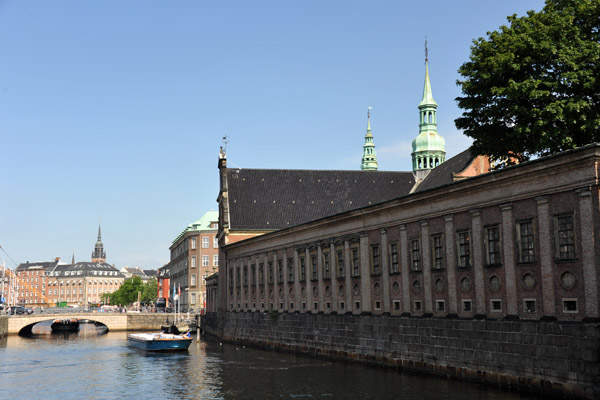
[93, 365]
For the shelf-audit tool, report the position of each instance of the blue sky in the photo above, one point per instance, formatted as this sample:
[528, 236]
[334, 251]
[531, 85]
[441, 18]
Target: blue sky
[115, 110]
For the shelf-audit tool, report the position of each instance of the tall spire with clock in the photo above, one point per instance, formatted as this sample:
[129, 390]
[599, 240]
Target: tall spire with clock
[429, 148]
[99, 255]
[369, 158]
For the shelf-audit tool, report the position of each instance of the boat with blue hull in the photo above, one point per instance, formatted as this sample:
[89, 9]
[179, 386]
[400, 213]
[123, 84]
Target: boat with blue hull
[159, 341]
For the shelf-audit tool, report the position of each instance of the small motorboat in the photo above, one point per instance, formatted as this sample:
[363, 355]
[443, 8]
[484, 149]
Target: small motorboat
[65, 325]
[159, 341]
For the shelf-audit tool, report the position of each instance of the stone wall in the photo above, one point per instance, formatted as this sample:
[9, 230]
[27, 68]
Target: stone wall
[560, 358]
[3, 326]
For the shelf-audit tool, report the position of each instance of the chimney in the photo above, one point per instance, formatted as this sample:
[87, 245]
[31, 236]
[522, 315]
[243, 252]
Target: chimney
[57, 259]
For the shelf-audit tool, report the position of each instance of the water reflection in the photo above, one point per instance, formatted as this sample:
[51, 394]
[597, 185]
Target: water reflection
[72, 366]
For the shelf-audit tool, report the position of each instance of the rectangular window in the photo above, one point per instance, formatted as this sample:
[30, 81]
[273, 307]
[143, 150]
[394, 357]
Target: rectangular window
[253, 274]
[193, 243]
[466, 305]
[205, 242]
[525, 242]
[326, 268]
[492, 245]
[261, 271]
[394, 269]
[415, 255]
[238, 281]
[355, 263]
[378, 305]
[193, 280]
[464, 249]
[205, 261]
[216, 260]
[570, 306]
[396, 305]
[417, 305]
[496, 305]
[438, 252]
[375, 260]
[440, 305]
[193, 261]
[529, 305]
[279, 271]
[290, 267]
[340, 264]
[231, 278]
[245, 275]
[302, 269]
[215, 242]
[313, 267]
[271, 275]
[564, 237]
[193, 298]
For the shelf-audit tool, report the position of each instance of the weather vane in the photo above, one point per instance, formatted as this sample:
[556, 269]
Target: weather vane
[426, 50]
[225, 141]
[369, 108]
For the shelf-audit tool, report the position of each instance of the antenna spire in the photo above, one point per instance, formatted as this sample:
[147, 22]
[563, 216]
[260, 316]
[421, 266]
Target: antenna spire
[426, 50]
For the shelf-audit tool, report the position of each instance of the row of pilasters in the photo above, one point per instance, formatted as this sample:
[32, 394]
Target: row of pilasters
[548, 273]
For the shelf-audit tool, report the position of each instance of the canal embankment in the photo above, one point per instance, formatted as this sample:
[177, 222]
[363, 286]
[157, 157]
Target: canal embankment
[3, 325]
[550, 357]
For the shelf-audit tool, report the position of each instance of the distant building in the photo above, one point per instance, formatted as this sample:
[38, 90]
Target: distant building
[194, 256]
[144, 274]
[32, 283]
[163, 276]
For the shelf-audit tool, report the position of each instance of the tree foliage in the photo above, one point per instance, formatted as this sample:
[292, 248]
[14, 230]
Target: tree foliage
[128, 292]
[533, 88]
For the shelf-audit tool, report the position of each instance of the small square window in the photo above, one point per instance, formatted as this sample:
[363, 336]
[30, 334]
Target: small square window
[467, 305]
[304, 305]
[315, 306]
[271, 306]
[281, 306]
[291, 306]
[440, 305]
[529, 305]
[396, 304]
[262, 305]
[417, 305]
[342, 305]
[378, 305]
[570, 306]
[253, 305]
[496, 305]
[357, 305]
[328, 305]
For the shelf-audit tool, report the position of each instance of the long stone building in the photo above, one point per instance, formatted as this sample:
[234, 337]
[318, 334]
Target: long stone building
[449, 268]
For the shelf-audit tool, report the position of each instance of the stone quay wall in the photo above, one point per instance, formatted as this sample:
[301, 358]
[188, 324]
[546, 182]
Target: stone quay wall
[555, 358]
[3, 326]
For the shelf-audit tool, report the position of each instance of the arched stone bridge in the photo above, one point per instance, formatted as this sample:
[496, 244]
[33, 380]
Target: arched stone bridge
[114, 321]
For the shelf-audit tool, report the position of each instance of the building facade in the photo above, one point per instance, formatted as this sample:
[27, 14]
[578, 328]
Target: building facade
[194, 256]
[32, 286]
[163, 279]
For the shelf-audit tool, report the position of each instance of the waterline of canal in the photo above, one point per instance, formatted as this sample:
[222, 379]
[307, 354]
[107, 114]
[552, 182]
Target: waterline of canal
[102, 366]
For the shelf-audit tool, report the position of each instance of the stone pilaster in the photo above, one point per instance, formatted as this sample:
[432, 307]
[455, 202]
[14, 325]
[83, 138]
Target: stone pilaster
[426, 265]
[365, 273]
[545, 239]
[404, 262]
[385, 270]
[332, 275]
[348, 275]
[450, 263]
[588, 252]
[509, 259]
[476, 253]
[297, 301]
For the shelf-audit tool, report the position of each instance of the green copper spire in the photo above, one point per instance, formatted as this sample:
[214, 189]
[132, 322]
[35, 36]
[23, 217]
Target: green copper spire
[369, 158]
[429, 148]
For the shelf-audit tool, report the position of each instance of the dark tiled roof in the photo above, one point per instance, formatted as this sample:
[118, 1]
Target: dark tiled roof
[150, 272]
[46, 265]
[272, 199]
[442, 174]
[86, 269]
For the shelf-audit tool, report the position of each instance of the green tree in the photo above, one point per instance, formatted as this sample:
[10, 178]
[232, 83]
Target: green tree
[150, 291]
[533, 88]
[128, 292]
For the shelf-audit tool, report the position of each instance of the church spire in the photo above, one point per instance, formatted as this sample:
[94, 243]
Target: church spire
[429, 148]
[99, 255]
[369, 158]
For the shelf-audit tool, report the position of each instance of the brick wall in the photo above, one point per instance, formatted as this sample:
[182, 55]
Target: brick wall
[555, 357]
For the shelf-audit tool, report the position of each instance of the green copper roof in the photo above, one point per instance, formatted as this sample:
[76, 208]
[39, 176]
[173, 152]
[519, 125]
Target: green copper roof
[203, 224]
[427, 94]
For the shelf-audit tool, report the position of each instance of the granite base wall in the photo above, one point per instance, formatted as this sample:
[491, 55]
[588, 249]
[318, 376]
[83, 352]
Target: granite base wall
[3, 326]
[556, 358]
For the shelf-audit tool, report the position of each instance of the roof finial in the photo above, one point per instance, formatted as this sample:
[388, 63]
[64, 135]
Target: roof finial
[426, 50]
[225, 141]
